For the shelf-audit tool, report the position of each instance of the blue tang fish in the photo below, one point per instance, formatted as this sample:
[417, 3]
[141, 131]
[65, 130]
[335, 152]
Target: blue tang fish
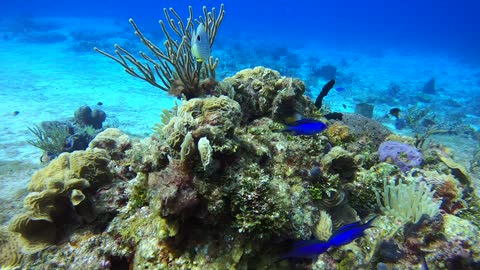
[348, 233]
[306, 127]
[340, 89]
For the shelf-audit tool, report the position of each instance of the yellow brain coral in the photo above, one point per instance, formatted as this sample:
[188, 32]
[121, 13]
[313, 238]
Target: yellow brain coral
[10, 254]
[56, 191]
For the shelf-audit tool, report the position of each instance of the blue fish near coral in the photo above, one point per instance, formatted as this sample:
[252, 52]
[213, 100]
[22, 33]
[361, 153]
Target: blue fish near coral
[348, 233]
[343, 236]
[306, 127]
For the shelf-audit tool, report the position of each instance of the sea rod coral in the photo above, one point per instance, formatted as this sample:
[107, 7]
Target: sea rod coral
[175, 69]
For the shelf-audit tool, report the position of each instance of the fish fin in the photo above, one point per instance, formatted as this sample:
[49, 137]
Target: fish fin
[357, 224]
[368, 224]
[346, 227]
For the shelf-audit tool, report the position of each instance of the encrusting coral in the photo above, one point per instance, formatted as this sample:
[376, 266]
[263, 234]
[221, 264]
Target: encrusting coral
[263, 92]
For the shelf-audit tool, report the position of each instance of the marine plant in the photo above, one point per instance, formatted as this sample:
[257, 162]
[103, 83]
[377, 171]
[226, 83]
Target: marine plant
[175, 69]
[51, 140]
[407, 202]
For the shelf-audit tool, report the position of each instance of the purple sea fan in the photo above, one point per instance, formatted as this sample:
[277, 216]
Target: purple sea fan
[403, 155]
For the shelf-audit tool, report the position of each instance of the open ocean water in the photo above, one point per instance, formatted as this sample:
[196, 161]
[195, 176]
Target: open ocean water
[419, 58]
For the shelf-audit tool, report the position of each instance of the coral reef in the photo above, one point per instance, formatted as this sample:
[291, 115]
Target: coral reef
[339, 134]
[364, 109]
[429, 87]
[326, 72]
[219, 186]
[262, 92]
[363, 128]
[10, 250]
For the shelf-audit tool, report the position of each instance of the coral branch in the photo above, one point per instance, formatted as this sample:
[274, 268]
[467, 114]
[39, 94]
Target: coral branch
[175, 69]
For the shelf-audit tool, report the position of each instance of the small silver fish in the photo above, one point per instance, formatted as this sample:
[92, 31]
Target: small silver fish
[201, 44]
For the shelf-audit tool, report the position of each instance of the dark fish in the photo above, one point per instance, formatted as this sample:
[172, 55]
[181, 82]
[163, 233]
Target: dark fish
[99, 103]
[15, 113]
[344, 106]
[307, 249]
[340, 89]
[326, 88]
[306, 127]
[348, 233]
[395, 112]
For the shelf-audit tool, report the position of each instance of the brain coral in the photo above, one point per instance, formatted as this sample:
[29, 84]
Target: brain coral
[52, 200]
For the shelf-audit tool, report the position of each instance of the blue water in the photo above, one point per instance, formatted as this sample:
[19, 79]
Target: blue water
[449, 26]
